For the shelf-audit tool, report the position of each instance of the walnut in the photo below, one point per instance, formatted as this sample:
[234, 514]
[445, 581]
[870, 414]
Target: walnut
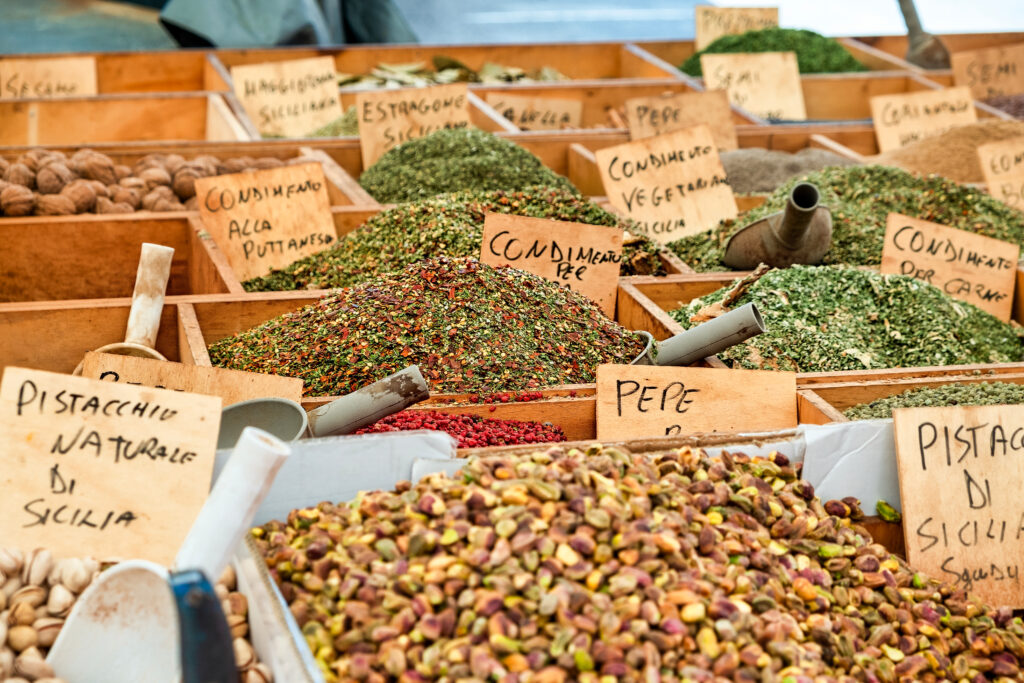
[97, 167]
[235, 165]
[162, 204]
[133, 183]
[208, 164]
[173, 162]
[54, 205]
[20, 174]
[155, 177]
[99, 188]
[185, 181]
[104, 205]
[126, 195]
[192, 204]
[3, 166]
[31, 159]
[156, 194]
[52, 178]
[81, 194]
[122, 171]
[17, 200]
[267, 162]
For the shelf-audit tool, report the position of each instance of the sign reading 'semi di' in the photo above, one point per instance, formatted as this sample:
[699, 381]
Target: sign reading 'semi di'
[967, 266]
[650, 116]
[289, 99]
[714, 22]
[766, 84]
[584, 258]
[267, 219]
[388, 118]
[1002, 164]
[961, 471]
[47, 78]
[93, 468]
[902, 119]
[990, 72]
[639, 401]
[672, 185]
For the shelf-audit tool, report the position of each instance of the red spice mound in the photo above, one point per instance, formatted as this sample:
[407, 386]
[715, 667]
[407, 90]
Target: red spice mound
[471, 431]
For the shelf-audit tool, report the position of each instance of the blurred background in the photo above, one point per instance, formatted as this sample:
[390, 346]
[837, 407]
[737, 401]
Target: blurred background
[76, 25]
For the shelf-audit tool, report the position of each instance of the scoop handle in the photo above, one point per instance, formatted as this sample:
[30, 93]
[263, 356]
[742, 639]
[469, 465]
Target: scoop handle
[714, 336]
[232, 504]
[370, 403]
[148, 297]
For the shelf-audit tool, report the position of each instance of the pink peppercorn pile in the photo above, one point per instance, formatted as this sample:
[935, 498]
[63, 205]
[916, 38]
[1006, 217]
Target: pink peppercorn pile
[471, 431]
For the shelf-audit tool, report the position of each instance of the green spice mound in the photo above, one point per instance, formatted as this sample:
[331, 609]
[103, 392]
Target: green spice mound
[468, 326]
[815, 54]
[978, 394]
[452, 160]
[860, 198]
[448, 225]
[829, 318]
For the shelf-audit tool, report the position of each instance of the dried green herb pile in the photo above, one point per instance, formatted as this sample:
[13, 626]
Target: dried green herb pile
[607, 566]
[468, 326]
[814, 52]
[455, 159]
[860, 198]
[448, 225]
[957, 394]
[445, 70]
[829, 318]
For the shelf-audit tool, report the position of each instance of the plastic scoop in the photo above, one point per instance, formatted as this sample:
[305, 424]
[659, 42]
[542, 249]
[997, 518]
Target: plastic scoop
[800, 233]
[147, 305]
[288, 421]
[706, 339]
[923, 49]
[125, 625]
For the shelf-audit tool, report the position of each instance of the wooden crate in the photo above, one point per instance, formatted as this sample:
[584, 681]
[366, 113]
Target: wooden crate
[117, 118]
[895, 48]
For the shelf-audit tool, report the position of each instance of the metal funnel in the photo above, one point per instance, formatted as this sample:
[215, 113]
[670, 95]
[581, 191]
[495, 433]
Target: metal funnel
[923, 49]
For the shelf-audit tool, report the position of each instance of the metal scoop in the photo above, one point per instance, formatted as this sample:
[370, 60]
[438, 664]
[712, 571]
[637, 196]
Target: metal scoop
[707, 339]
[125, 627]
[924, 49]
[800, 233]
[147, 306]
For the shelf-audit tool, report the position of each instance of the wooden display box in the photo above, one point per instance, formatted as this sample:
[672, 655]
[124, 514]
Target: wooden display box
[119, 118]
[895, 48]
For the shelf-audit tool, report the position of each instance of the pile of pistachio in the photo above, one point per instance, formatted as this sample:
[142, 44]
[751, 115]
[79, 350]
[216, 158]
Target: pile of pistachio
[604, 565]
[37, 593]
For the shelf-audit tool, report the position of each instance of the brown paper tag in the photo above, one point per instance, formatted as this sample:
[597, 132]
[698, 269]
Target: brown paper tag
[673, 185]
[767, 84]
[289, 99]
[902, 119]
[388, 118]
[640, 401]
[970, 267]
[650, 116]
[714, 22]
[991, 71]
[961, 471]
[584, 258]
[537, 113]
[1003, 166]
[267, 219]
[97, 469]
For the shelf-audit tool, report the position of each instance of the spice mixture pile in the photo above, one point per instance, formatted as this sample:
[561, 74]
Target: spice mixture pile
[608, 566]
[471, 431]
[468, 326]
[860, 198]
[829, 318]
[957, 394]
[814, 52]
[753, 169]
[1011, 104]
[448, 225]
[452, 160]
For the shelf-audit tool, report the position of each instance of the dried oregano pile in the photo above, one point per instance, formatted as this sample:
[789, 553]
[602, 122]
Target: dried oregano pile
[814, 52]
[607, 566]
[860, 198]
[452, 160]
[448, 225]
[828, 318]
[468, 326]
[957, 394]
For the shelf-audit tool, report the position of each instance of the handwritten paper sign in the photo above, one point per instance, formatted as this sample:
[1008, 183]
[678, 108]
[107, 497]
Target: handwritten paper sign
[672, 185]
[390, 117]
[1002, 163]
[231, 385]
[47, 78]
[767, 84]
[100, 469]
[291, 98]
[967, 266]
[637, 401]
[537, 113]
[991, 71]
[267, 219]
[714, 22]
[650, 116]
[584, 258]
[961, 471]
[902, 119]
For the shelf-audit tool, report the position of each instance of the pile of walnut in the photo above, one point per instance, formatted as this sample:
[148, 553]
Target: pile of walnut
[49, 183]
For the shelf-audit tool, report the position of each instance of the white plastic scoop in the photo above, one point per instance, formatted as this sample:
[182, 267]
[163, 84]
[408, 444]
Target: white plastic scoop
[125, 625]
[147, 306]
